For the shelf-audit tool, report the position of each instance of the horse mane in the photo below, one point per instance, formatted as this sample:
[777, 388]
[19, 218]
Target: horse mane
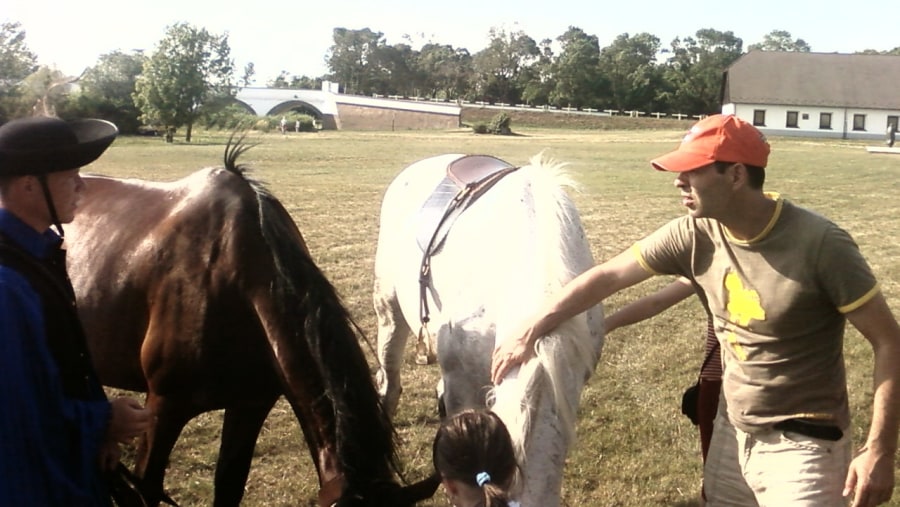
[565, 359]
[364, 435]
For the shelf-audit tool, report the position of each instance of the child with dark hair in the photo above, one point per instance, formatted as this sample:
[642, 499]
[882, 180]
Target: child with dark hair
[474, 456]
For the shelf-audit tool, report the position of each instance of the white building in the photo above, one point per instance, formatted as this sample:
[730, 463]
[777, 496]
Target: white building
[814, 94]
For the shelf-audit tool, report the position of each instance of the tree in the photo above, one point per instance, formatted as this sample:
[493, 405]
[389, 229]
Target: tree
[539, 77]
[629, 66]
[190, 69]
[578, 82]
[695, 70]
[780, 40]
[894, 52]
[444, 70]
[393, 70]
[353, 59]
[249, 72]
[42, 90]
[16, 63]
[499, 66]
[107, 89]
[286, 80]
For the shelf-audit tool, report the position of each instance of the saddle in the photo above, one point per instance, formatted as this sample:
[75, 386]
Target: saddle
[468, 178]
[474, 174]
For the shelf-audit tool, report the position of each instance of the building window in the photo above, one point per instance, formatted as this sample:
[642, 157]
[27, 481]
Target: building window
[759, 117]
[825, 121]
[792, 119]
[892, 120]
[805, 116]
[859, 122]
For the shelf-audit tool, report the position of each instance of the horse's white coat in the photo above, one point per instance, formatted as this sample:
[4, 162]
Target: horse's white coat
[503, 257]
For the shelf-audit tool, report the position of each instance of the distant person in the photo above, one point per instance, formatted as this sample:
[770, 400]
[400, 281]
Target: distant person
[473, 454]
[891, 134]
[297, 126]
[781, 282]
[58, 431]
[283, 125]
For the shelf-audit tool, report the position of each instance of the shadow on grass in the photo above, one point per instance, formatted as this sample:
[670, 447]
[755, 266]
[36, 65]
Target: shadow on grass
[687, 503]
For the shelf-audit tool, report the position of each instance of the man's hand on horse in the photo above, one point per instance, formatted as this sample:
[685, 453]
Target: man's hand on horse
[511, 353]
[128, 419]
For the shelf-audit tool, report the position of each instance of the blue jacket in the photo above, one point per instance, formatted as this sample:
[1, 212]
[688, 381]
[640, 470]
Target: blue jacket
[50, 434]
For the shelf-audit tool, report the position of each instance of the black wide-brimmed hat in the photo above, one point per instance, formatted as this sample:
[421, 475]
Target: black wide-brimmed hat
[42, 145]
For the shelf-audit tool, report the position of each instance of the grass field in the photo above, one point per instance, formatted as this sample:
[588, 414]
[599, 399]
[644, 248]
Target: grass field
[634, 448]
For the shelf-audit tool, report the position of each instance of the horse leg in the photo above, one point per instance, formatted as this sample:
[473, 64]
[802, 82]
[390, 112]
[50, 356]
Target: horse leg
[239, 432]
[157, 444]
[393, 333]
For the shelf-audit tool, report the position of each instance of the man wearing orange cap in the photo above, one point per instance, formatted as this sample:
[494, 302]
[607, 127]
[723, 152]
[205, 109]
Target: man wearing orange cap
[780, 282]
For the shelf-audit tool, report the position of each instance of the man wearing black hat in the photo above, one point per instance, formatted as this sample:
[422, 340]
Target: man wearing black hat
[58, 431]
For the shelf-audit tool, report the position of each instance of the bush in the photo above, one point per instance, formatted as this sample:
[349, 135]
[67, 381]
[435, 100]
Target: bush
[500, 124]
[307, 122]
[263, 125]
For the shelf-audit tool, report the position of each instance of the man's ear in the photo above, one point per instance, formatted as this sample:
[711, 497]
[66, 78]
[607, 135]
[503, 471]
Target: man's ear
[738, 174]
[30, 183]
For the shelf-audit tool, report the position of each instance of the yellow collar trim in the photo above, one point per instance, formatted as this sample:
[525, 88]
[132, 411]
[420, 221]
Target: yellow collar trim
[779, 204]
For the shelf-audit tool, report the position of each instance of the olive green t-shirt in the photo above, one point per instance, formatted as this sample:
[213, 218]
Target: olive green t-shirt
[778, 301]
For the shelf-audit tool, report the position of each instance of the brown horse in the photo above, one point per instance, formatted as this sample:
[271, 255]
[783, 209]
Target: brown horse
[202, 293]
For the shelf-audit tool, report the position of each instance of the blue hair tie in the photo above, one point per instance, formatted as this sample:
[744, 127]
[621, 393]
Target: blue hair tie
[482, 478]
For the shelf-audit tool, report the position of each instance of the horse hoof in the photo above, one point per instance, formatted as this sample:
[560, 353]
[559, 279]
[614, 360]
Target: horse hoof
[422, 359]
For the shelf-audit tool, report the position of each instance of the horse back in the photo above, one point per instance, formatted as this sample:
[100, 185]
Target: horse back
[152, 263]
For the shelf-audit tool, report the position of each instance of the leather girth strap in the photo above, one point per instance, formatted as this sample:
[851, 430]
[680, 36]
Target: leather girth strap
[463, 199]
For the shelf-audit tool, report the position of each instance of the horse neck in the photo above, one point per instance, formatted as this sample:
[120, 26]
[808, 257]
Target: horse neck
[543, 241]
[539, 407]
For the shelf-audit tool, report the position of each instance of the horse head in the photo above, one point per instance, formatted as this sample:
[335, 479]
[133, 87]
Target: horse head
[382, 494]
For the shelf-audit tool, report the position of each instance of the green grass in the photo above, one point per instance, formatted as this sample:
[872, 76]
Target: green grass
[635, 448]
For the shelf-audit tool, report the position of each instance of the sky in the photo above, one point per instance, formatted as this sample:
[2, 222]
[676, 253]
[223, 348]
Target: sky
[294, 36]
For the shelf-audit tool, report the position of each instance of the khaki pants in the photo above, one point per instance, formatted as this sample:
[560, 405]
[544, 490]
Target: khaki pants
[774, 469]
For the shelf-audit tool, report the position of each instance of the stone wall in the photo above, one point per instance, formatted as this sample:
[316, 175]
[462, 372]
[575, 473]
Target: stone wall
[353, 117]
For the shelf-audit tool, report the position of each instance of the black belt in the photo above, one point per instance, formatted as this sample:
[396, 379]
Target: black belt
[822, 432]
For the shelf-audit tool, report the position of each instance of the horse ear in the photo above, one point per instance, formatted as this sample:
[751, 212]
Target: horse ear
[424, 489]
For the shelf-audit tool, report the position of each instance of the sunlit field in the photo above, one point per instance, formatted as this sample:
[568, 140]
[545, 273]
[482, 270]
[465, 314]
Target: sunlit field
[634, 447]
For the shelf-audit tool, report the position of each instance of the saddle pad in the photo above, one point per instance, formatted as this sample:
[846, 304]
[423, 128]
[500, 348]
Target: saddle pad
[461, 172]
[433, 210]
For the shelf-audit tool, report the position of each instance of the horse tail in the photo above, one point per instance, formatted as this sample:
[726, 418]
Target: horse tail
[567, 356]
[364, 436]
[233, 150]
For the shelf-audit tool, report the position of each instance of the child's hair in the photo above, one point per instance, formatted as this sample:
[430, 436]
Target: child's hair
[474, 447]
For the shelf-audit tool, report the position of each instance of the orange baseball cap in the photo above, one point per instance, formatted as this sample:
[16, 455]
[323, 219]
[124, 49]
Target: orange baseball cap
[720, 137]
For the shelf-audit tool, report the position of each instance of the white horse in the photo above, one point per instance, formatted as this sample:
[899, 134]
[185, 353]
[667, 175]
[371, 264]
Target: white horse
[492, 266]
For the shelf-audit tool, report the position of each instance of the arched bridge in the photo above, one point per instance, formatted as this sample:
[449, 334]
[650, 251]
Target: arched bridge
[354, 112]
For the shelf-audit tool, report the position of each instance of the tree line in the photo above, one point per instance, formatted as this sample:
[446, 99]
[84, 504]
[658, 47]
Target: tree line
[191, 77]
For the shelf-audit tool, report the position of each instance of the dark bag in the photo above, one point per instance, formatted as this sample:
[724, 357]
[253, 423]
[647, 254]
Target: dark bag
[690, 400]
[689, 403]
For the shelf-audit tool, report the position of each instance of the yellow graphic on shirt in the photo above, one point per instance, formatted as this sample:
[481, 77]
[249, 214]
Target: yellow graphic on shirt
[743, 306]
